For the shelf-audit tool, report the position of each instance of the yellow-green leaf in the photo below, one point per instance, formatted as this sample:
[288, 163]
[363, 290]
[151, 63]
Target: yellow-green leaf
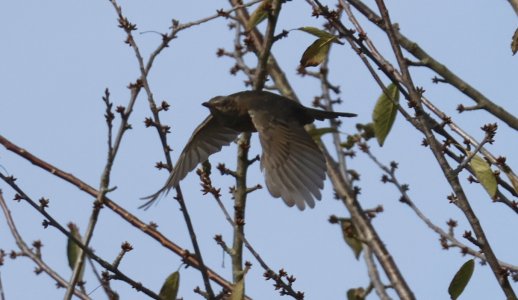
[514, 43]
[461, 279]
[169, 289]
[318, 33]
[484, 174]
[259, 15]
[350, 236]
[316, 53]
[384, 113]
[73, 249]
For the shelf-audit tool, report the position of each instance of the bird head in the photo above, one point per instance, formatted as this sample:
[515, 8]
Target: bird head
[216, 102]
[220, 105]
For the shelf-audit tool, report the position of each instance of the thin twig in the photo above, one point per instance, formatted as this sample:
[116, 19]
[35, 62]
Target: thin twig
[462, 203]
[124, 214]
[144, 71]
[374, 274]
[406, 199]
[104, 183]
[2, 295]
[51, 221]
[26, 251]
[472, 154]
[344, 189]
[286, 288]
[110, 293]
[441, 69]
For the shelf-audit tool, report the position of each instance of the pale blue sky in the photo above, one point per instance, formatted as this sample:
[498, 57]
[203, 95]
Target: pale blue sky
[59, 56]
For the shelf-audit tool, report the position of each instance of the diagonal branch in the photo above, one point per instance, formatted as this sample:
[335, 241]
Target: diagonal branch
[51, 221]
[124, 214]
[464, 87]
[461, 199]
[26, 250]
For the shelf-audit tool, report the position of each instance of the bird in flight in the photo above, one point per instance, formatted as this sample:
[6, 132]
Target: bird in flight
[293, 165]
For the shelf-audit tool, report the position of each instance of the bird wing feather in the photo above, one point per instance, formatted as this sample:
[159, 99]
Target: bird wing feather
[208, 138]
[293, 165]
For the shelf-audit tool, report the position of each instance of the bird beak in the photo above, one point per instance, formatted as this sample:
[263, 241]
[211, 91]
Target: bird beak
[206, 104]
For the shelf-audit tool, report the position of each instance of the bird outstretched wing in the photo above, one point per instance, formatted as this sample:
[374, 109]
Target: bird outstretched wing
[293, 165]
[208, 138]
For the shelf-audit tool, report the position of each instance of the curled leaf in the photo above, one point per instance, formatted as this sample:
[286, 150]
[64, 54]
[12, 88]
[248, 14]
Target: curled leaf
[461, 279]
[351, 237]
[384, 113]
[316, 53]
[73, 250]
[484, 174]
[169, 289]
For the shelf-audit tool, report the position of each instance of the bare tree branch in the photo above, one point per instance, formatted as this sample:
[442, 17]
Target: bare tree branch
[26, 251]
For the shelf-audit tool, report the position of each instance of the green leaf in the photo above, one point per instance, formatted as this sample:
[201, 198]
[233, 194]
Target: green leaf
[73, 249]
[514, 43]
[169, 289]
[316, 133]
[484, 174]
[259, 15]
[461, 279]
[318, 33]
[350, 236]
[316, 53]
[384, 113]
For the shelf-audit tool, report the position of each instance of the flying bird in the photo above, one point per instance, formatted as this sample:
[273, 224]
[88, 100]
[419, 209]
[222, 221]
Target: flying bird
[293, 165]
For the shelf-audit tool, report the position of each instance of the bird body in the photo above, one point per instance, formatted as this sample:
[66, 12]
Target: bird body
[293, 165]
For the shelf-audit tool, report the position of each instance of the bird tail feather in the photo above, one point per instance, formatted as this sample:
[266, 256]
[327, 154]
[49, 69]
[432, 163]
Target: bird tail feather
[324, 114]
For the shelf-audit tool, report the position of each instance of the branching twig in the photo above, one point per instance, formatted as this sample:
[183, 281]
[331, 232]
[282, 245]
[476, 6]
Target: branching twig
[26, 251]
[374, 275]
[463, 203]
[406, 199]
[287, 288]
[124, 214]
[105, 179]
[440, 69]
[144, 71]
[51, 221]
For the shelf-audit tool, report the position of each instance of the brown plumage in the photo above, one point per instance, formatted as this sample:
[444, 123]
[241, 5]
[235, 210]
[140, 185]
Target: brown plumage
[293, 165]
